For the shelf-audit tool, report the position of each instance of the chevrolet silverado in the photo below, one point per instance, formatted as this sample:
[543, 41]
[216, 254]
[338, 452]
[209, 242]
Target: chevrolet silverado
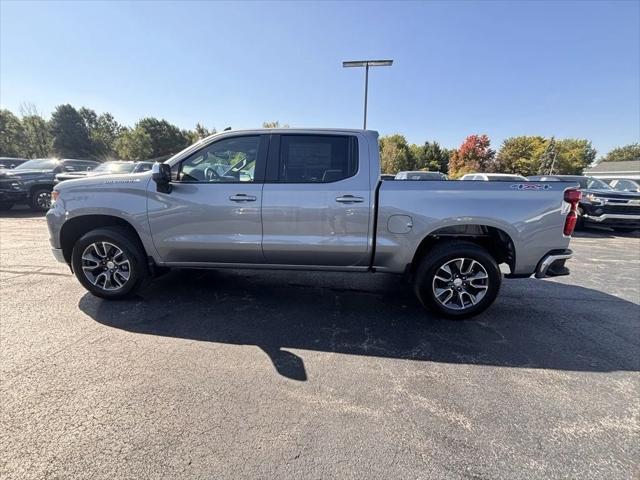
[310, 199]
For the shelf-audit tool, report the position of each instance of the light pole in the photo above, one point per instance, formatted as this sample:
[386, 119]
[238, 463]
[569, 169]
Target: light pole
[366, 64]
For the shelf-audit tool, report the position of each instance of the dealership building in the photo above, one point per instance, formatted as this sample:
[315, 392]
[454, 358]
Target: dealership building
[610, 170]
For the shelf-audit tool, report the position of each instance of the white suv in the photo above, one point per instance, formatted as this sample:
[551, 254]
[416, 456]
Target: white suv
[497, 177]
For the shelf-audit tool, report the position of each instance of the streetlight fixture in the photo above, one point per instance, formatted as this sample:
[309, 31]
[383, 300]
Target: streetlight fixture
[366, 64]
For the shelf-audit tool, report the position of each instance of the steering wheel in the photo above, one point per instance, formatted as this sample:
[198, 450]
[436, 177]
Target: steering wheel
[210, 174]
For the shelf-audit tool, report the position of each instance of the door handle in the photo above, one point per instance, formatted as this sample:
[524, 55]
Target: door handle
[349, 199]
[241, 197]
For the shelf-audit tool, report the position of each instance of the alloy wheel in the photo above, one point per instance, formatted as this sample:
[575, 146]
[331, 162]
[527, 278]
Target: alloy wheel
[43, 200]
[106, 266]
[460, 283]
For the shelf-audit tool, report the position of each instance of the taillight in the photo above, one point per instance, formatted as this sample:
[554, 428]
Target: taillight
[54, 196]
[572, 197]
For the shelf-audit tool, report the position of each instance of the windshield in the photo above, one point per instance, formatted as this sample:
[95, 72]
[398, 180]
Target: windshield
[115, 167]
[594, 183]
[39, 164]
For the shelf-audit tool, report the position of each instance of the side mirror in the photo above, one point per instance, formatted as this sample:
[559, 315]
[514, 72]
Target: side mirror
[161, 174]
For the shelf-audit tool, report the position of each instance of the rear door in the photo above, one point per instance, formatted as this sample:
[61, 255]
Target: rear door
[316, 204]
[212, 214]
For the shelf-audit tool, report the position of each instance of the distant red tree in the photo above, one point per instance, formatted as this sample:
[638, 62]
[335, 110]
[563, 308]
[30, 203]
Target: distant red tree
[474, 155]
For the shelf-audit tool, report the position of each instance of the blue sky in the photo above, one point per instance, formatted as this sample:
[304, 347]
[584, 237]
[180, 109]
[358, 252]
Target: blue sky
[500, 68]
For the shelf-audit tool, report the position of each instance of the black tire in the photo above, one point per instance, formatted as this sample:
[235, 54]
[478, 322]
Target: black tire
[40, 199]
[625, 229]
[120, 238]
[425, 283]
[4, 206]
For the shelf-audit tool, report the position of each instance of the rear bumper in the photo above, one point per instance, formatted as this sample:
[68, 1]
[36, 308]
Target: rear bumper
[553, 264]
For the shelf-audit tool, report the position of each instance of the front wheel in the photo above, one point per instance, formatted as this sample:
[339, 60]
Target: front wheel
[457, 280]
[40, 199]
[109, 262]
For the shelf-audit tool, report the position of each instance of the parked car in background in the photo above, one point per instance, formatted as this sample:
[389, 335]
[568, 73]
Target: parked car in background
[12, 191]
[494, 177]
[32, 181]
[10, 162]
[307, 199]
[420, 175]
[601, 204]
[106, 168]
[625, 184]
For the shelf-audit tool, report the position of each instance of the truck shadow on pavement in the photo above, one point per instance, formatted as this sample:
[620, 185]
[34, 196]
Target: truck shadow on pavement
[533, 324]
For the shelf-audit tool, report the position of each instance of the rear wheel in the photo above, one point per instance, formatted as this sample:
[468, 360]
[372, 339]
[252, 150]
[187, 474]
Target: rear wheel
[40, 199]
[457, 280]
[109, 262]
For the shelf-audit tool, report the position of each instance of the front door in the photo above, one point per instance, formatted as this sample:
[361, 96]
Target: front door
[316, 201]
[212, 214]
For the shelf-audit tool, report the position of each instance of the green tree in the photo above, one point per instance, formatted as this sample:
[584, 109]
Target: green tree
[69, 132]
[38, 141]
[166, 139]
[548, 158]
[12, 139]
[395, 154]
[134, 144]
[623, 154]
[199, 133]
[520, 155]
[574, 155]
[103, 132]
[274, 124]
[474, 155]
[431, 156]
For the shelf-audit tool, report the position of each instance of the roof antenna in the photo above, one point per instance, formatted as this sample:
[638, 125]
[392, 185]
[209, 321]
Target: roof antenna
[227, 129]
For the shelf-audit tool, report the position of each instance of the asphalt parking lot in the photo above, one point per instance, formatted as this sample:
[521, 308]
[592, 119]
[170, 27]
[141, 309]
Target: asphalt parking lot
[244, 374]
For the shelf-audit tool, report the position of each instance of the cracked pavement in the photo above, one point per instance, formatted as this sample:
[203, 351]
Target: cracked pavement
[249, 374]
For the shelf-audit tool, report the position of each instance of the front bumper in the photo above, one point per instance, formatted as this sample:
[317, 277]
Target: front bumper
[59, 256]
[613, 219]
[13, 196]
[553, 264]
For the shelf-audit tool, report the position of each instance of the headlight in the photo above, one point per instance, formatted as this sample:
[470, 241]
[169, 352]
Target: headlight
[594, 199]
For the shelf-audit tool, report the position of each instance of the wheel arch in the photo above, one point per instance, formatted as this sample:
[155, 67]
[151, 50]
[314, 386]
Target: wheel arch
[76, 227]
[495, 240]
[40, 186]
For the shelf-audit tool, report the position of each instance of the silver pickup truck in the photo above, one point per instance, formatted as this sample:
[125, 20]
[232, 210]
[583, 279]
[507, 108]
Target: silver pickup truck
[311, 200]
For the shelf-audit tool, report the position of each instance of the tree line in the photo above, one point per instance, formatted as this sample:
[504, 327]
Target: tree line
[524, 155]
[84, 134]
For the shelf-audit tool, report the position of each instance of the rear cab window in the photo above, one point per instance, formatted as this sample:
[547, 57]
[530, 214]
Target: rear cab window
[317, 158]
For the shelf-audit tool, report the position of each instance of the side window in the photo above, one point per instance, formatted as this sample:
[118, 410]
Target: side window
[624, 185]
[229, 160]
[317, 158]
